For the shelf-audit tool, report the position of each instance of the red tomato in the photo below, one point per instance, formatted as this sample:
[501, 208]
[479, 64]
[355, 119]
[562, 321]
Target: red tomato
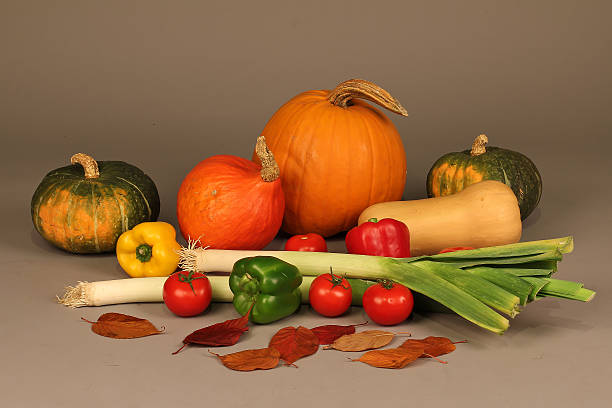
[453, 249]
[310, 242]
[187, 293]
[388, 303]
[330, 295]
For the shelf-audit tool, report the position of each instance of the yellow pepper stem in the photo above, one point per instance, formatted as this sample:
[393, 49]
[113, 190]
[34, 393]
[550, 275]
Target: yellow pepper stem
[144, 253]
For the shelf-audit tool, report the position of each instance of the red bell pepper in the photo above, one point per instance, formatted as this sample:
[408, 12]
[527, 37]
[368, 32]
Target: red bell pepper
[387, 237]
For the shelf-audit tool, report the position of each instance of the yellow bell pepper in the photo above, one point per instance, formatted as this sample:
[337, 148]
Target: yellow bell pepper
[148, 249]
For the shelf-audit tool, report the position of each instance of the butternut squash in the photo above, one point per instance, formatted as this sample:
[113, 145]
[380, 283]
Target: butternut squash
[483, 214]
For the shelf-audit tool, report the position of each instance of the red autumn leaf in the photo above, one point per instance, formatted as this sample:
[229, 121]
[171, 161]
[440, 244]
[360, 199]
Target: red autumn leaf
[249, 360]
[226, 333]
[121, 326]
[329, 333]
[365, 340]
[393, 358]
[434, 346]
[294, 344]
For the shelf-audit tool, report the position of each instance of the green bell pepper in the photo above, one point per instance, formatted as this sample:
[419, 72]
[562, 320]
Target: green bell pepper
[271, 285]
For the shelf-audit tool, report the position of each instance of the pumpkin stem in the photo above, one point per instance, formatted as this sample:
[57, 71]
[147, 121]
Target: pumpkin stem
[90, 166]
[269, 168]
[478, 147]
[360, 88]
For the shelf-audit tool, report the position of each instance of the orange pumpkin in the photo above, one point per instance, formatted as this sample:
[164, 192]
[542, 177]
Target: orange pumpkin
[227, 202]
[337, 156]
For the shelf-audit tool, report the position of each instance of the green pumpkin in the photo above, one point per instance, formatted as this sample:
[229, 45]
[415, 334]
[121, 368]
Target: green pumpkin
[453, 172]
[83, 208]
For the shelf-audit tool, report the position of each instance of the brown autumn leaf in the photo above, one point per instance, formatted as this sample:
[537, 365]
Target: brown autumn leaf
[226, 333]
[121, 326]
[392, 358]
[329, 333]
[294, 343]
[249, 360]
[365, 340]
[434, 346]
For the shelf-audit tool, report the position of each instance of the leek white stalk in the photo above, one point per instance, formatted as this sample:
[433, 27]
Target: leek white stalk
[132, 290]
[309, 263]
[150, 290]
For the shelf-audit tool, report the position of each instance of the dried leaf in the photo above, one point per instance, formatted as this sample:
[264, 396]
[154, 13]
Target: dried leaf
[434, 346]
[121, 326]
[294, 344]
[249, 360]
[226, 333]
[329, 333]
[365, 340]
[392, 358]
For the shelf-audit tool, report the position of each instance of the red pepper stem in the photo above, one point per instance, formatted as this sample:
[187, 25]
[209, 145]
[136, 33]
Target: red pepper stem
[373, 220]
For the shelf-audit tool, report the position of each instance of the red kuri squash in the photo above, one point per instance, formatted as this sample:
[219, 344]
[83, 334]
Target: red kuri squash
[228, 202]
[337, 156]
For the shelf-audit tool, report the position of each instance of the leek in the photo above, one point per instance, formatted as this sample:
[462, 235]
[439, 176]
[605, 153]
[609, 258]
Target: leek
[475, 284]
[515, 274]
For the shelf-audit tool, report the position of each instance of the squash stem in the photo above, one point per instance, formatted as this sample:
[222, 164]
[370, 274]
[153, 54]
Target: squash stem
[478, 147]
[359, 88]
[269, 168]
[90, 166]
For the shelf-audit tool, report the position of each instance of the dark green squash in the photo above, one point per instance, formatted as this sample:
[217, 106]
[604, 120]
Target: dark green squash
[453, 172]
[83, 208]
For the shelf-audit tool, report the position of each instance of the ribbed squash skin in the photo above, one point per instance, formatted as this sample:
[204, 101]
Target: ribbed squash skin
[453, 172]
[334, 162]
[83, 215]
[224, 203]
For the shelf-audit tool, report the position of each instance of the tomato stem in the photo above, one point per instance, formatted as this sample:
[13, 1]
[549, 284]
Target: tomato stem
[189, 280]
[336, 280]
[386, 283]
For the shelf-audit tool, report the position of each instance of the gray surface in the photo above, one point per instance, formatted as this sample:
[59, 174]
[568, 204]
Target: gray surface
[164, 86]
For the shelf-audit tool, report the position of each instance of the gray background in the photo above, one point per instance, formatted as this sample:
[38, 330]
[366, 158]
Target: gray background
[164, 85]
